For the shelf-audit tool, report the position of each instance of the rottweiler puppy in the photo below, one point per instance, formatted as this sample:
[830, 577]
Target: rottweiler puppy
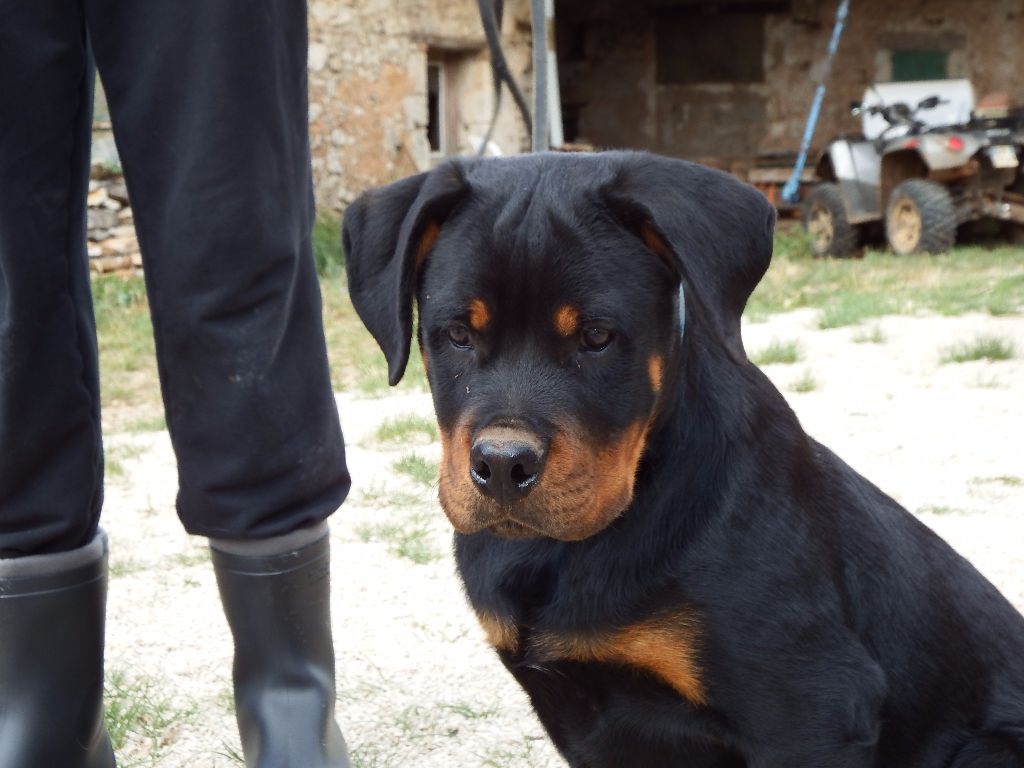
[671, 568]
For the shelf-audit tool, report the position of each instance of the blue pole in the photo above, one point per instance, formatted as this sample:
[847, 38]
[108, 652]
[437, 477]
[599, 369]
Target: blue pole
[789, 191]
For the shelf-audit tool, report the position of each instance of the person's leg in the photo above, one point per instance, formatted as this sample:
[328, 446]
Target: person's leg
[52, 561]
[209, 109]
[51, 475]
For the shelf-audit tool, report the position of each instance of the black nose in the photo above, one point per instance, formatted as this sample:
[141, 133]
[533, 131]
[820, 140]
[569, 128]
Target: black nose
[504, 469]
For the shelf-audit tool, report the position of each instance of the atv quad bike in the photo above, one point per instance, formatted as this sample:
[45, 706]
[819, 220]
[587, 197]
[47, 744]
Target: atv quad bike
[922, 171]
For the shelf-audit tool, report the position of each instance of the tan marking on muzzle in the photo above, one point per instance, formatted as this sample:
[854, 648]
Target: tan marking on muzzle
[584, 487]
[581, 489]
[456, 492]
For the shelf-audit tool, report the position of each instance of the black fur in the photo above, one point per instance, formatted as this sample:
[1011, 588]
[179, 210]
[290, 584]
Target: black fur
[829, 627]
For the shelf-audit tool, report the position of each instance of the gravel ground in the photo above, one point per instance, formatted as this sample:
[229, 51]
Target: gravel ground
[417, 685]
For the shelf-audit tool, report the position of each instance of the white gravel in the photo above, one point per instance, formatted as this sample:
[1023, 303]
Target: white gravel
[417, 685]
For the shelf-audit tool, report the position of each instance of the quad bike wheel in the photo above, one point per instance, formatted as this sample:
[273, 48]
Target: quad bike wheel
[920, 218]
[825, 220]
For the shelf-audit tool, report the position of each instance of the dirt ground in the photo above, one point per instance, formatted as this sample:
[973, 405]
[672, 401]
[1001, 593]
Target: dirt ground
[417, 685]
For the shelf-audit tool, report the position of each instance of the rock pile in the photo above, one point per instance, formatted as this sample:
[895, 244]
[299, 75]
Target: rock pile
[112, 245]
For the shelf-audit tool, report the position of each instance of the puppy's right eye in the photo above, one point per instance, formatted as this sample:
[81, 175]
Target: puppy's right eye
[459, 336]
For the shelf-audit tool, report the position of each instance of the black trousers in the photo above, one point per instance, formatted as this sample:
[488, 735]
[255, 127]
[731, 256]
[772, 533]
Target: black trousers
[208, 102]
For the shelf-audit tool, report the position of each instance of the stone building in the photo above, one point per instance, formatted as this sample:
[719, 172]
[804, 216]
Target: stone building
[395, 85]
[727, 80]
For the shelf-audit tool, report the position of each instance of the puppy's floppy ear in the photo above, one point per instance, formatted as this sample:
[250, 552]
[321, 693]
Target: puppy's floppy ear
[386, 234]
[713, 229]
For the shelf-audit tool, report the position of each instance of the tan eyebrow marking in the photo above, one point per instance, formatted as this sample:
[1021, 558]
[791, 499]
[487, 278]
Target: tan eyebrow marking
[479, 315]
[567, 320]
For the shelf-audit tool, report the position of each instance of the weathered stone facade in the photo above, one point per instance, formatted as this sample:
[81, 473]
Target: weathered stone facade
[609, 57]
[370, 63]
[368, 88]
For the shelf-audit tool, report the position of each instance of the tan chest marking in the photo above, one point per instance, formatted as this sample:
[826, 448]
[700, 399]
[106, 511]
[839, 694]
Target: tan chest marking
[666, 648]
[501, 631]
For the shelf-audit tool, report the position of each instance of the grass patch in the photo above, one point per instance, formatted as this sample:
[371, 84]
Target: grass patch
[381, 497]
[937, 509]
[409, 538]
[854, 308]
[125, 335]
[471, 711]
[777, 353]
[405, 428]
[521, 754]
[136, 712]
[423, 471]
[327, 251]
[114, 457]
[982, 348]
[148, 424]
[125, 567]
[872, 335]
[127, 354]
[804, 383]
[192, 558]
[982, 381]
[1010, 481]
[849, 291]
[357, 363]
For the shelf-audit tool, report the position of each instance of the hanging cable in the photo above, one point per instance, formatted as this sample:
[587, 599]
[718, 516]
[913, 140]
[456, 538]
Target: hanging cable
[540, 76]
[491, 12]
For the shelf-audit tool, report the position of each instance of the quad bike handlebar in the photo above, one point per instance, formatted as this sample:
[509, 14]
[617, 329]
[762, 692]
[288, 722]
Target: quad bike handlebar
[898, 113]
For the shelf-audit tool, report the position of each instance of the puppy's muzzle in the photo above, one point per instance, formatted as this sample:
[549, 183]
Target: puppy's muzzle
[505, 463]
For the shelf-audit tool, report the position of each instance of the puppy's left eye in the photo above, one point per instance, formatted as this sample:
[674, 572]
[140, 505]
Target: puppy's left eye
[595, 339]
[459, 336]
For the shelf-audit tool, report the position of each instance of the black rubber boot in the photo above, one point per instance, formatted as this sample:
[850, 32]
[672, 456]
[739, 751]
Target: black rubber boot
[51, 660]
[278, 608]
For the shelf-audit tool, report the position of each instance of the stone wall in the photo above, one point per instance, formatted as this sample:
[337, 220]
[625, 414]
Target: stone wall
[368, 62]
[982, 40]
[608, 54]
[368, 87]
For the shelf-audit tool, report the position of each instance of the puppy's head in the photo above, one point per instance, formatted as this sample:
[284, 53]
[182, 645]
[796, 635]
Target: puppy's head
[549, 317]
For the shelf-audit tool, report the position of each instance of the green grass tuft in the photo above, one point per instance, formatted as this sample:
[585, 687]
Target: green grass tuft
[327, 250]
[849, 291]
[423, 471]
[136, 711]
[409, 538]
[406, 427]
[116, 455]
[804, 383]
[982, 348]
[777, 353]
[937, 509]
[872, 335]
[147, 424]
